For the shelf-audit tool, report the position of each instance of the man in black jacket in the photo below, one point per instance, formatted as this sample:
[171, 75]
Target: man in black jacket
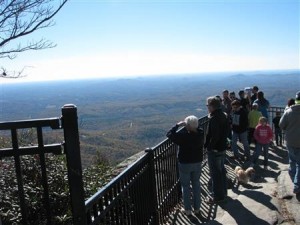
[216, 142]
[240, 129]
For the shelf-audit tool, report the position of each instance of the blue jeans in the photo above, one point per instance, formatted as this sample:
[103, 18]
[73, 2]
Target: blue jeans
[258, 149]
[217, 169]
[190, 173]
[294, 170]
[243, 137]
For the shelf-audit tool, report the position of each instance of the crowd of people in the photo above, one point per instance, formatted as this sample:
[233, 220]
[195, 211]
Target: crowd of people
[232, 119]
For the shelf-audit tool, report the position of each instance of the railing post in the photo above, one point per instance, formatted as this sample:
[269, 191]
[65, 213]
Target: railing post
[72, 149]
[154, 202]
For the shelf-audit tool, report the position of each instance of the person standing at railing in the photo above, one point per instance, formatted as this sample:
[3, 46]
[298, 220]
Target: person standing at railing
[216, 143]
[245, 103]
[278, 132]
[290, 103]
[240, 130]
[226, 103]
[254, 94]
[263, 104]
[290, 123]
[190, 155]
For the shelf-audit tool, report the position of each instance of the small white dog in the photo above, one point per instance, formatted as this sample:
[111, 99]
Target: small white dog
[243, 176]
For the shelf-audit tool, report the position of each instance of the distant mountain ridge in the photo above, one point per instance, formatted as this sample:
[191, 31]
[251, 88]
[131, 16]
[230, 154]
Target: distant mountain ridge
[119, 117]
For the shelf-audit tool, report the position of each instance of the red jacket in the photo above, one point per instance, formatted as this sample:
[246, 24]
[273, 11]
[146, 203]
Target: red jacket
[263, 134]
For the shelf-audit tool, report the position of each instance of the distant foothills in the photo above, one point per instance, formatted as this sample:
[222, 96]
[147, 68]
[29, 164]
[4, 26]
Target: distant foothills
[119, 117]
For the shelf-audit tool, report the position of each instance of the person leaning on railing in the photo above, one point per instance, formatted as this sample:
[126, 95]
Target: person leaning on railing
[190, 140]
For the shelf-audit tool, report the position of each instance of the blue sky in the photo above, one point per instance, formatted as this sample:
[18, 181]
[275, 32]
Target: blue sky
[132, 38]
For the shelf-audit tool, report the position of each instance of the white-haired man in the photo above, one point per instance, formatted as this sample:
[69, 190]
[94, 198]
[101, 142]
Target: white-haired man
[190, 140]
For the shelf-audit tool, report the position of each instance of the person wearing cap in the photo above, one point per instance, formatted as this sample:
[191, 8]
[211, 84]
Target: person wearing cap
[253, 119]
[290, 123]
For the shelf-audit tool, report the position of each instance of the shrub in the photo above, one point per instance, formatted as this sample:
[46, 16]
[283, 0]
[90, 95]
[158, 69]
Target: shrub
[94, 178]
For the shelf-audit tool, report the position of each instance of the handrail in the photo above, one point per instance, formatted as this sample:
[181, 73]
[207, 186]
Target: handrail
[144, 193]
[54, 123]
[99, 194]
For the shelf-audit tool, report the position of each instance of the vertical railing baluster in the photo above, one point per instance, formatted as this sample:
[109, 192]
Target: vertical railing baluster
[154, 203]
[15, 145]
[44, 175]
[72, 147]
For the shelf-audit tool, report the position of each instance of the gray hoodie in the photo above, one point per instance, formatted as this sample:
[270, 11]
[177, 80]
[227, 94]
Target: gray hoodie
[290, 123]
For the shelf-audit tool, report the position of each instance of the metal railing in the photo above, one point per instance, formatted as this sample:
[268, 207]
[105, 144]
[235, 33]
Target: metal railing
[145, 193]
[272, 114]
[68, 122]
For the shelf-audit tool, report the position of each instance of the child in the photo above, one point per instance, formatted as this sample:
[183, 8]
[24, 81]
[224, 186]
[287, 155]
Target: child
[278, 133]
[263, 135]
[253, 119]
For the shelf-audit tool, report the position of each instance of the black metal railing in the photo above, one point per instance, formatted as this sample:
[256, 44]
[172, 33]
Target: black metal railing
[272, 114]
[145, 193]
[68, 122]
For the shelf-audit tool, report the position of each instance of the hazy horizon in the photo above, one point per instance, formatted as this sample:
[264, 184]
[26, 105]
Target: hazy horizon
[198, 74]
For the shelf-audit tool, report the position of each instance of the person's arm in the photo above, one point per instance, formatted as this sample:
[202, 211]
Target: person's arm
[283, 123]
[174, 136]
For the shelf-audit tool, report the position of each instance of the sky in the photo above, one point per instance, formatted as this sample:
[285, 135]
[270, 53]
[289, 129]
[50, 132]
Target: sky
[109, 38]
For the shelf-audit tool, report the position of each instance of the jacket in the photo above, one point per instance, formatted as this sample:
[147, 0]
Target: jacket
[263, 106]
[276, 121]
[218, 130]
[253, 118]
[240, 121]
[263, 134]
[290, 123]
[190, 144]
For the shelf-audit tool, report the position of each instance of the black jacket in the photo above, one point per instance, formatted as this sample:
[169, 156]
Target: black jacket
[240, 121]
[190, 144]
[218, 128]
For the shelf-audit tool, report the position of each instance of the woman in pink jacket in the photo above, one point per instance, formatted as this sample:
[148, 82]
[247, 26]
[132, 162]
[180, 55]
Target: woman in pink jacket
[263, 135]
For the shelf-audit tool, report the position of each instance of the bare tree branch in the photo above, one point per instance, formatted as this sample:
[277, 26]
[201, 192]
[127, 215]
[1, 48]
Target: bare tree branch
[19, 18]
[13, 74]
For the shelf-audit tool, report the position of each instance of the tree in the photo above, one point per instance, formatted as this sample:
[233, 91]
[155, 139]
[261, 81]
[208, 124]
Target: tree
[19, 19]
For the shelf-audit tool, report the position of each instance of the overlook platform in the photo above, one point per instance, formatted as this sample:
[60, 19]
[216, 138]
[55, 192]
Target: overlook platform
[266, 199]
[148, 190]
